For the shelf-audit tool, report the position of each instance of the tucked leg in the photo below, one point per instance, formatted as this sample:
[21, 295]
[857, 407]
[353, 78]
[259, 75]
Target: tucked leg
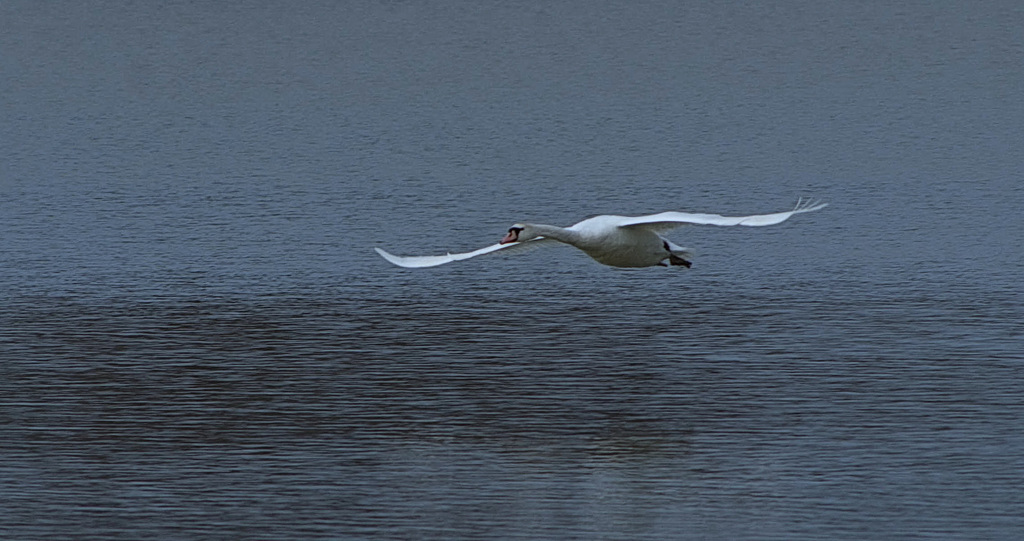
[676, 260]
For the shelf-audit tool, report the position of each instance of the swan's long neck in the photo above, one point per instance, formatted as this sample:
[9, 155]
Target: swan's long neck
[554, 232]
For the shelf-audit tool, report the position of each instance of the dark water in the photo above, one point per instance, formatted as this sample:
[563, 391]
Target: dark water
[197, 340]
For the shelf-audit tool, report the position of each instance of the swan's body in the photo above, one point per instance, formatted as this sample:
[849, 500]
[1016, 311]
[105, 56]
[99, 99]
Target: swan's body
[618, 241]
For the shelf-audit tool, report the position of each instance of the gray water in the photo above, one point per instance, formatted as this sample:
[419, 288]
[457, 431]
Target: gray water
[198, 341]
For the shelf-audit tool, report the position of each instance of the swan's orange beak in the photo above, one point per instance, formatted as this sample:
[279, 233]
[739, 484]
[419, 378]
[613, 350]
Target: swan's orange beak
[512, 236]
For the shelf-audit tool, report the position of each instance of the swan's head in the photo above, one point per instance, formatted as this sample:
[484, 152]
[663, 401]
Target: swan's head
[519, 233]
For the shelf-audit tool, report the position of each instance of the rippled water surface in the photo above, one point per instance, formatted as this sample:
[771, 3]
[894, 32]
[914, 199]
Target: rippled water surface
[197, 340]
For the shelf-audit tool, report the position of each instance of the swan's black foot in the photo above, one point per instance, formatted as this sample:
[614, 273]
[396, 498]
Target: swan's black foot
[676, 260]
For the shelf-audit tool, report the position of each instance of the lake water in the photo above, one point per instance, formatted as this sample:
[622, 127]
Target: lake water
[198, 341]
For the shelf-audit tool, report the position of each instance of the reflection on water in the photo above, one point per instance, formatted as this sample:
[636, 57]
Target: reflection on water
[336, 415]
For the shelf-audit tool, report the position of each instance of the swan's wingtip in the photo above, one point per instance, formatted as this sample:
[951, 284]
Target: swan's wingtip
[391, 258]
[809, 205]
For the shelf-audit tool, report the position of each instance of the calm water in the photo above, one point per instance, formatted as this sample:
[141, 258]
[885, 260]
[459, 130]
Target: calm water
[197, 340]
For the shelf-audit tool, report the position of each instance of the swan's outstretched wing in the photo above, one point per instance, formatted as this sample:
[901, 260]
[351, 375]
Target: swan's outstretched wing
[670, 220]
[416, 262]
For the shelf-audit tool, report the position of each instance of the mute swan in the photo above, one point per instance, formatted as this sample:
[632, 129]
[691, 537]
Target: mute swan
[618, 241]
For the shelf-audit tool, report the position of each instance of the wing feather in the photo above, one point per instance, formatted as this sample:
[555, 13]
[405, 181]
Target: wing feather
[670, 220]
[421, 261]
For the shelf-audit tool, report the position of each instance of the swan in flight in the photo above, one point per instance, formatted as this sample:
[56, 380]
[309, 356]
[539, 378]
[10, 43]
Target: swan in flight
[618, 241]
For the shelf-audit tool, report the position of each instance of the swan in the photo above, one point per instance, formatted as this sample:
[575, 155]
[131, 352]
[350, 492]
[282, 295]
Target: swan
[617, 241]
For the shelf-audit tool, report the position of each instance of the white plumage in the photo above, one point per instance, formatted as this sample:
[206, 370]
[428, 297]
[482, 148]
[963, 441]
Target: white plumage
[618, 241]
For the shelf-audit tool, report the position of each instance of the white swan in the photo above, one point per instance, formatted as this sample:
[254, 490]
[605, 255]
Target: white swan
[618, 241]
